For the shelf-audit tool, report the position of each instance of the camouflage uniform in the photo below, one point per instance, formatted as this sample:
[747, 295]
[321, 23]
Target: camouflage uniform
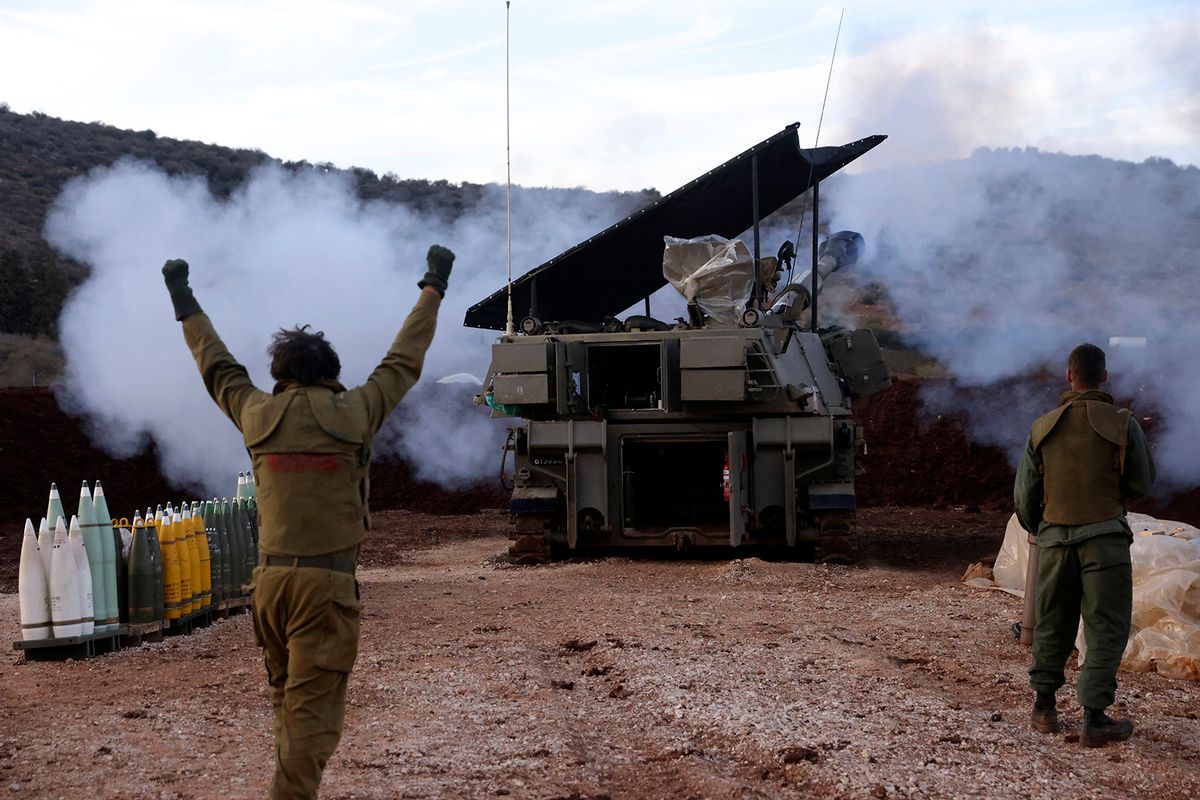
[1082, 461]
[311, 450]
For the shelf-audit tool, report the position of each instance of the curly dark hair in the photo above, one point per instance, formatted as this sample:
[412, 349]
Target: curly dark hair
[304, 357]
[1087, 364]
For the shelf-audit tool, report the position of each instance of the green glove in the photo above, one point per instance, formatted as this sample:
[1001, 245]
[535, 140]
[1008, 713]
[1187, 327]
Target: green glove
[175, 275]
[440, 262]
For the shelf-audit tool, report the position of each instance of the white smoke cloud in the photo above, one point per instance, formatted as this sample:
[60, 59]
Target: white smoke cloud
[939, 96]
[286, 248]
[999, 264]
[1001, 261]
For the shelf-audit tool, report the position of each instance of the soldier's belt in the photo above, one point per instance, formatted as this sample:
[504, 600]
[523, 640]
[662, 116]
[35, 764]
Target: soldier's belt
[339, 562]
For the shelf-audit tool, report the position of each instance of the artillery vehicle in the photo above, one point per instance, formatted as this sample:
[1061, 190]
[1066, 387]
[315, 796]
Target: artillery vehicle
[731, 427]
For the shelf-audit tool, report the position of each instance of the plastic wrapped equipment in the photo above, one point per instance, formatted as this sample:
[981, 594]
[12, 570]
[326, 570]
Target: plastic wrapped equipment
[713, 272]
[1013, 559]
[1165, 631]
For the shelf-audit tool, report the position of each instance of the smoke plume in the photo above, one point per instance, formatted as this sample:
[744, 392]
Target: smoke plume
[286, 248]
[999, 263]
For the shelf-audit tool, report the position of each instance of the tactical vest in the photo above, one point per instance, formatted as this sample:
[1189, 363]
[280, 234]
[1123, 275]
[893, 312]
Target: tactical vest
[311, 450]
[1082, 448]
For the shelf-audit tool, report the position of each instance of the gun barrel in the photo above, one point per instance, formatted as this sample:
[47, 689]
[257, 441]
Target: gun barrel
[841, 249]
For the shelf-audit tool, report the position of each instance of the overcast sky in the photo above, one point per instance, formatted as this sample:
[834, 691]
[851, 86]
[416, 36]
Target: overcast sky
[620, 94]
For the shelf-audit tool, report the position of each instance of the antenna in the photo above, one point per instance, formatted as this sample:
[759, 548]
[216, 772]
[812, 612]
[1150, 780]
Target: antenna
[829, 77]
[508, 328]
[813, 166]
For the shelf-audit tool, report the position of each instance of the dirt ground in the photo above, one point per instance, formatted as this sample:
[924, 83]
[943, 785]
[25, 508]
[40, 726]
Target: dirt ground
[615, 677]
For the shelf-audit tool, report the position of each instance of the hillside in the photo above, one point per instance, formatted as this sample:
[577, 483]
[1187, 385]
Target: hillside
[39, 154]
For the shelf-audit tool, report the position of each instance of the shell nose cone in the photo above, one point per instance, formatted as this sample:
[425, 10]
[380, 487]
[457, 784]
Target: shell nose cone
[54, 507]
[33, 589]
[45, 541]
[83, 577]
[66, 610]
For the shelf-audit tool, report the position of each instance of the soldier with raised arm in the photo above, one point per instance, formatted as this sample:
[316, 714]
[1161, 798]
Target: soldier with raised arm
[1082, 462]
[310, 444]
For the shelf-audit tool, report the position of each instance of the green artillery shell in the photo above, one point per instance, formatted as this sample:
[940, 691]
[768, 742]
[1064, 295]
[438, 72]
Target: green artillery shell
[237, 558]
[160, 610]
[251, 554]
[226, 551]
[214, 550]
[143, 587]
[54, 509]
[109, 554]
[94, 535]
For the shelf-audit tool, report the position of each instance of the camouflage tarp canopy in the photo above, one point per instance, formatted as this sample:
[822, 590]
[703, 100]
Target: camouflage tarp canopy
[623, 264]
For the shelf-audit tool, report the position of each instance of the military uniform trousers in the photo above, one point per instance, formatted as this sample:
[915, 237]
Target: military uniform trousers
[1093, 577]
[306, 620]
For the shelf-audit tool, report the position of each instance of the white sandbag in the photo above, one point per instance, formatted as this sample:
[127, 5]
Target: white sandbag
[1165, 635]
[1165, 625]
[1144, 523]
[1013, 559]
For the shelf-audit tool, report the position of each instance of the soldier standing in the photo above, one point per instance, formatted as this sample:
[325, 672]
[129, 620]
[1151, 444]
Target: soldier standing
[1082, 461]
[310, 444]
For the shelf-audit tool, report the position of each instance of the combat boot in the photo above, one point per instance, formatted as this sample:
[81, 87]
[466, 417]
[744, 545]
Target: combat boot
[1099, 728]
[1044, 718]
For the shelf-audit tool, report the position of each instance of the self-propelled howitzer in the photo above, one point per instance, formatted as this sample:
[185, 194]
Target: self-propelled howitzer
[729, 428]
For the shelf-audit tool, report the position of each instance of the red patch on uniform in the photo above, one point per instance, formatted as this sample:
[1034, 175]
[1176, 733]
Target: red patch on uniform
[301, 462]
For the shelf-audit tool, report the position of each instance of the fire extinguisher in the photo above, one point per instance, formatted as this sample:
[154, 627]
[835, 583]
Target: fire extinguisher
[726, 484]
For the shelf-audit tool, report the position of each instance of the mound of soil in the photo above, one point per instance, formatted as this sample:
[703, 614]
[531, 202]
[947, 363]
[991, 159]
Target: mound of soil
[394, 487]
[918, 459]
[39, 444]
[911, 462]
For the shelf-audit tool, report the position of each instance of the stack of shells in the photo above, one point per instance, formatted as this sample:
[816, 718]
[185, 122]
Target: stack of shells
[97, 573]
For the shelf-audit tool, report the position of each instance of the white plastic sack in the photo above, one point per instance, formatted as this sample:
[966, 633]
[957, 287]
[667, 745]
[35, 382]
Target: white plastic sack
[1145, 524]
[1165, 636]
[1013, 559]
[1165, 631]
[713, 272]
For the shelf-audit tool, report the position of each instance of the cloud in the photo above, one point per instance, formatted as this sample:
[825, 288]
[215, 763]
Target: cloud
[419, 89]
[942, 93]
[938, 97]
